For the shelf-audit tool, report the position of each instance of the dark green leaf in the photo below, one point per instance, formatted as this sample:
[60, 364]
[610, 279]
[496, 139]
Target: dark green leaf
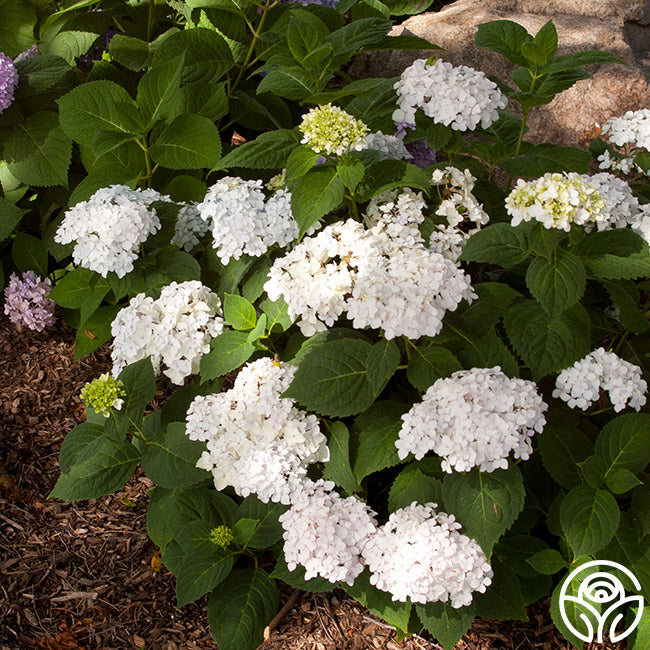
[339, 468]
[446, 624]
[29, 253]
[498, 243]
[562, 450]
[427, 364]
[314, 195]
[241, 608]
[228, 351]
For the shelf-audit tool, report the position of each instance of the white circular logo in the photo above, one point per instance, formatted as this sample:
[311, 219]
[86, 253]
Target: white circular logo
[601, 598]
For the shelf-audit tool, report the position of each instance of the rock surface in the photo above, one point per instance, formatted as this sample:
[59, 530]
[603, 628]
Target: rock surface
[621, 27]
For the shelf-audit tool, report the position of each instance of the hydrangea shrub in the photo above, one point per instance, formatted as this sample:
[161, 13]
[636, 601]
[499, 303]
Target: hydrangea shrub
[408, 350]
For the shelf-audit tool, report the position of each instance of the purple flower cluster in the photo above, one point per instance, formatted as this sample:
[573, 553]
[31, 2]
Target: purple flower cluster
[26, 301]
[8, 81]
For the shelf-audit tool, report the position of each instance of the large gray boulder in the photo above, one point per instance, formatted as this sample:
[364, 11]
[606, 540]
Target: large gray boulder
[621, 27]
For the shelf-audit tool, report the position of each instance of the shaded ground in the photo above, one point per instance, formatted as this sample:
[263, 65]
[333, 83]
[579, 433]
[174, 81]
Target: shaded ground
[81, 575]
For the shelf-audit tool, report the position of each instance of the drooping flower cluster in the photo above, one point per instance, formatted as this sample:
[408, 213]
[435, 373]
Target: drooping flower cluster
[455, 96]
[384, 277]
[420, 554]
[109, 227]
[103, 394]
[580, 385]
[27, 302]
[458, 206]
[330, 130]
[326, 533]
[632, 128]
[556, 200]
[190, 227]
[388, 146]
[474, 418]
[242, 222]
[8, 81]
[257, 441]
[175, 330]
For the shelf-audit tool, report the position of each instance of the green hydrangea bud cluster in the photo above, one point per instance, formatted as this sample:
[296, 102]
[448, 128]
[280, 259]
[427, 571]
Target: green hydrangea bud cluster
[222, 536]
[330, 130]
[103, 394]
[556, 200]
[277, 182]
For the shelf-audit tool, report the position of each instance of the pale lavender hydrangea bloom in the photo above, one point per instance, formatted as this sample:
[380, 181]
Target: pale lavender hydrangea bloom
[26, 301]
[31, 53]
[8, 81]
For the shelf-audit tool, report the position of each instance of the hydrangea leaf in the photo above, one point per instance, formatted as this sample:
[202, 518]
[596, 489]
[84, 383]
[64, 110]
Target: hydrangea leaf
[314, 195]
[429, 363]
[132, 53]
[380, 602]
[159, 91]
[228, 351]
[561, 450]
[268, 151]
[140, 385]
[207, 55]
[205, 565]
[446, 624]
[486, 504]
[95, 331]
[505, 37]
[487, 351]
[339, 468]
[277, 313]
[640, 507]
[170, 458]
[498, 243]
[171, 509]
[296, 578]
[241, 608]
[375, 433]
[503, 599]
[189, 142]
[29, 254]
[67, 44]
[267, 530]
[548, 344]
[38, 152]
[381, 364]
[558, 282]
[332, 378]
[412, 484]
[624, 442]
[547, 562]
[589, 518]
[17, 27]
[97, 106]
[105, 471]
[239, 312]
[80, 444]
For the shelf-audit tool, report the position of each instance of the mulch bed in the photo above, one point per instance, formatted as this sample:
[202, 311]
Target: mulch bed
[85, 575]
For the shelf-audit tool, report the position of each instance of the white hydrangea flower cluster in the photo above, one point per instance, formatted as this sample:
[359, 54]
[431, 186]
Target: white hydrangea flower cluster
[641, 225]
[401, 206]
[420, 554]
[190, 227]
[556, 200]
[621, 206]
[579, 385]
[455, 96]
[330, 130]
[474, 418]
[623, 164]
[383, 277]
[326, 533]
[405, 288]
[458, 203]
[241, 221]
[109, 227]
[632, 128]
[390, 147]
[458, 206]
[315, 277]
[257, 441]
[175, 330]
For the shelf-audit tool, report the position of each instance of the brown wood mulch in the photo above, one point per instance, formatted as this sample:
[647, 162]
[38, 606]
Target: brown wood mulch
[85, 575]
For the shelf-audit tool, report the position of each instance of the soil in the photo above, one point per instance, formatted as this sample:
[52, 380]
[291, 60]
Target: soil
[85, 575]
